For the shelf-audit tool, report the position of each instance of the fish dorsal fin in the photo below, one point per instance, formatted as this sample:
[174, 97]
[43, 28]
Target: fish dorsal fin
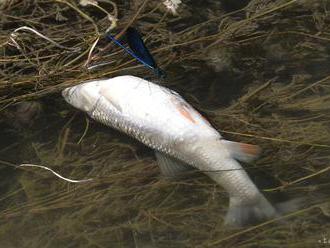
[242, 151]
[171, 167]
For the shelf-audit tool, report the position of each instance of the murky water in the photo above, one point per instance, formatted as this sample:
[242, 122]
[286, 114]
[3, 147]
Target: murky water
[129, 204]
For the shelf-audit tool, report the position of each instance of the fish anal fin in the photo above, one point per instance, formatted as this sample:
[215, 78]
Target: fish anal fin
[172, 167]
[242, 151]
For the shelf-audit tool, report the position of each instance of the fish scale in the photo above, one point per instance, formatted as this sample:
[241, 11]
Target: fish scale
[110, 118]
[181, 137]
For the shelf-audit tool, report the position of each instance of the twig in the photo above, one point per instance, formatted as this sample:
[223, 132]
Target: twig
[309, 87]
[13, 36]
[253, 228]
[257, 91]
[299, 180]
[82, 14]
[275, 139]
[91, 51]
[127, 25]
[85, 131]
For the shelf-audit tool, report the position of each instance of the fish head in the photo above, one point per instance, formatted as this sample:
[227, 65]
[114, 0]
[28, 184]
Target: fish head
[83, 96]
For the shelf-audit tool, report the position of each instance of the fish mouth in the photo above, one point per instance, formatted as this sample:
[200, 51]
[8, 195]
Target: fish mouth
[68, 92]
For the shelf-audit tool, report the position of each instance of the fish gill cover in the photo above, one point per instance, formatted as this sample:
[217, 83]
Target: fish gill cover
[260, 74]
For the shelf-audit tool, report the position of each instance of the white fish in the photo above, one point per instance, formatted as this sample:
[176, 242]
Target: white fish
[161, 119]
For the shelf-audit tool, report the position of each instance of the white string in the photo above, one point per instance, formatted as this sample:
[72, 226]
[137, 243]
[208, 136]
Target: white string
[13, 35]
[56, 174]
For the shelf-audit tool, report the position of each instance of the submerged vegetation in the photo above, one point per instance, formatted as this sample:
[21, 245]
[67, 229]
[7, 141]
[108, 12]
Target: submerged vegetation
[260, 72]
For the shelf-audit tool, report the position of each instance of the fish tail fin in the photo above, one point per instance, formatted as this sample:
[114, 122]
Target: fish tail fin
[292, 205]
[242, 151]
[242, 213]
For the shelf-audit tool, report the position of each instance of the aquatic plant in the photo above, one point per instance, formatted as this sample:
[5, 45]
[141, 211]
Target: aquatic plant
[272, 90]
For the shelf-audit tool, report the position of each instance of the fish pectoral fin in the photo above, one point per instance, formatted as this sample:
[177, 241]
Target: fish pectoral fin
[107, 96]
[171, 167]
[242, 151]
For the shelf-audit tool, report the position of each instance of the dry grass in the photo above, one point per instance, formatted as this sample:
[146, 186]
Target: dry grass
[280, 51]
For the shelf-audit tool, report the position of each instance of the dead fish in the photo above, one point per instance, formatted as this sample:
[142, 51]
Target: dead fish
[182, 139]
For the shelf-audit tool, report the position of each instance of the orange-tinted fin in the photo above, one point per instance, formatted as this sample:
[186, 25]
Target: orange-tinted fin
[242, 151]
